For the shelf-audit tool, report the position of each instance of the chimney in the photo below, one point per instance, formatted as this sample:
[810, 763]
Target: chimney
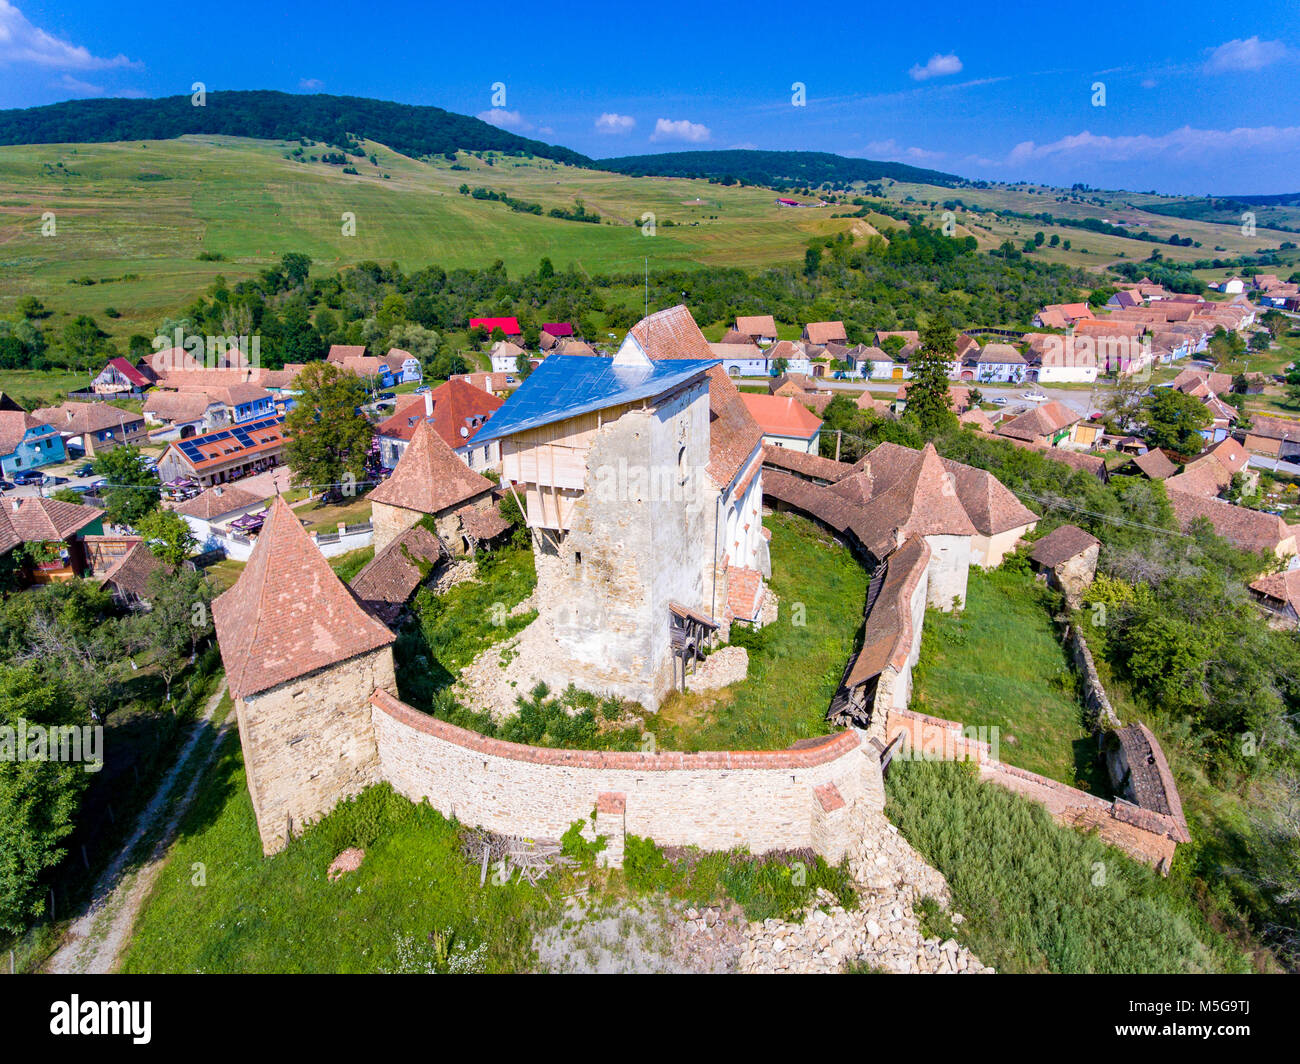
[428, 404]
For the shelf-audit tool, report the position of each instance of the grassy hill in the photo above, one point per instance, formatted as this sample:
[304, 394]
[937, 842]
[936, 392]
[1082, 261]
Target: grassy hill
[412, 130]
[773, 168]
[132, 218]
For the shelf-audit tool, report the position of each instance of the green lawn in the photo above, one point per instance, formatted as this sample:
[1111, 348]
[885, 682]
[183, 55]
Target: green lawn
[33, 387]
[794, 667]
[220, 906]
[1000, 664]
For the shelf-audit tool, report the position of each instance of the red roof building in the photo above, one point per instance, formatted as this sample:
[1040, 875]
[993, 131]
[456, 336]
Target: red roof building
[509, 326]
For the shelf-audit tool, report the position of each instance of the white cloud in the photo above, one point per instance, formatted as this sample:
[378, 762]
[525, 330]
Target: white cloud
[691, 132]
[892, 150]
[503, 119]
[937, 66]
[1250, 54]
[311, 84]
[82, 88]
[1184, 142]
[21, 42]
[610, 122]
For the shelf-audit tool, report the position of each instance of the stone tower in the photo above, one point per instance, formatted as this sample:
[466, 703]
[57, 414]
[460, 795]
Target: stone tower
[302, 658]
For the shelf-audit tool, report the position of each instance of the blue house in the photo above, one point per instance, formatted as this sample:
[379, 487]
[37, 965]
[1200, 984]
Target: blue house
[26, 443]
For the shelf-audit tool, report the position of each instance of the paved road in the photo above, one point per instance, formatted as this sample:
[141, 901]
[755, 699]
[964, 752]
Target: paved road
[1082, 399]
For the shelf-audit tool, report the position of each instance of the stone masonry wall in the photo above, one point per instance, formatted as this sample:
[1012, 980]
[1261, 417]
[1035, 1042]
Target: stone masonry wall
[764, 800]
[389, 522]
[309, 742]
[932, 738]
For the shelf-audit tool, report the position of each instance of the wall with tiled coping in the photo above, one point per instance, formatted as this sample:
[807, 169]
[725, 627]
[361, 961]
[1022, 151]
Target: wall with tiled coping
[764, 799]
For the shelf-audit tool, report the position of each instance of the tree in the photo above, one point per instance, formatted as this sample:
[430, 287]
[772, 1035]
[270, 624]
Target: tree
[131, 489]
[39, 799]
[1174, 420]
[296, 267]
[929, 404]
[523, 367]
[83, 342]
[179, 619]
[328, 437]
[169, 536]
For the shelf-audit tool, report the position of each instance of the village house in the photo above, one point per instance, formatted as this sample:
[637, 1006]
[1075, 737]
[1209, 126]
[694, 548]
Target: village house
[210, 512]
[48, 533]
[552, 333]
[785, 421]
[129, 577]
[1274, 437]
[398, 367]
[1062, 315]
[119, 378]
[1061, 359]
[822, 333]
[1154, 464]
[509, 326]
[741, 360]
[505, 355]
[786, 356]
[996, 363]
[27, 442]
[457, 411]
[226, 454]
[1279, 595]
[183, 414]
[1048, 425]
[1067, 556]
[1250, 530]
[498, 384]
[760, 328]
[431, 481]
[94, 427]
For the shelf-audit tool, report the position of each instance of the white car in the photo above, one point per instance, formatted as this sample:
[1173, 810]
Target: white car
[1001, 400]
[1034, 397]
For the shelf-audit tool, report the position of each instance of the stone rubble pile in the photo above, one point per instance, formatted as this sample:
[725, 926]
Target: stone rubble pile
[884, 933]
[723, 667]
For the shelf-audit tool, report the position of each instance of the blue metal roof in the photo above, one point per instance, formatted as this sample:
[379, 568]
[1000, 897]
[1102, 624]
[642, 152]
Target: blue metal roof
[564, 386]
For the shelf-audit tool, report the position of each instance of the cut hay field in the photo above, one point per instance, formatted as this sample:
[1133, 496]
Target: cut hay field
[134, 217]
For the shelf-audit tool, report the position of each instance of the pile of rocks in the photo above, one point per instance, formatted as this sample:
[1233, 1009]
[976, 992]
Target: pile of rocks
[884, 933]
[723, 667]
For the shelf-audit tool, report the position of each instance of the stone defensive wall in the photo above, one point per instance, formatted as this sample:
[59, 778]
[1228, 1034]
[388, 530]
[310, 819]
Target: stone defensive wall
[760, 799]
[1141, 833]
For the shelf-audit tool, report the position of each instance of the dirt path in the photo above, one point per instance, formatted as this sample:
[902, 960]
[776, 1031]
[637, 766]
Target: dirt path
[96, 938]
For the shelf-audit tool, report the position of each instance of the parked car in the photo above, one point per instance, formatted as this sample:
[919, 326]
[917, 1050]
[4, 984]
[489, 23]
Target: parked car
[422, 389]
[5, 485]
[1001, 400]
[51, 481]
[1034, 397]
[85, 469]
[28, 476]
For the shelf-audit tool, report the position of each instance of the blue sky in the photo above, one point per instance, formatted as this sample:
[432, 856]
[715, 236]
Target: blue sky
[1200, 97]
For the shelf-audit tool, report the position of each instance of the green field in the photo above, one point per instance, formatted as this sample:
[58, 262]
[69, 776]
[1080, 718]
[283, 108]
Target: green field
[134, 217]
[139, 237]
[1000, 664]
[795, 663]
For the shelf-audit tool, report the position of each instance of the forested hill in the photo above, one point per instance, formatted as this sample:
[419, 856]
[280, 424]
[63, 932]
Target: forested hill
[775, 169]
[406, 128]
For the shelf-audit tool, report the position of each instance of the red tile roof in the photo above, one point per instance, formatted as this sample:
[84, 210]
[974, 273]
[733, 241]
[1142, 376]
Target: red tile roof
[218, 501]
[288, 614]
[782, 415]
[36, 520]
[459, 411]
[1062, 544]
[429, 478]
[391, 577]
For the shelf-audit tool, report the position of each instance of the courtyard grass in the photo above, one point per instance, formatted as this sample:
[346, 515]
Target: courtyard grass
[1038, 897]
[1000, 664]
[795, 664]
